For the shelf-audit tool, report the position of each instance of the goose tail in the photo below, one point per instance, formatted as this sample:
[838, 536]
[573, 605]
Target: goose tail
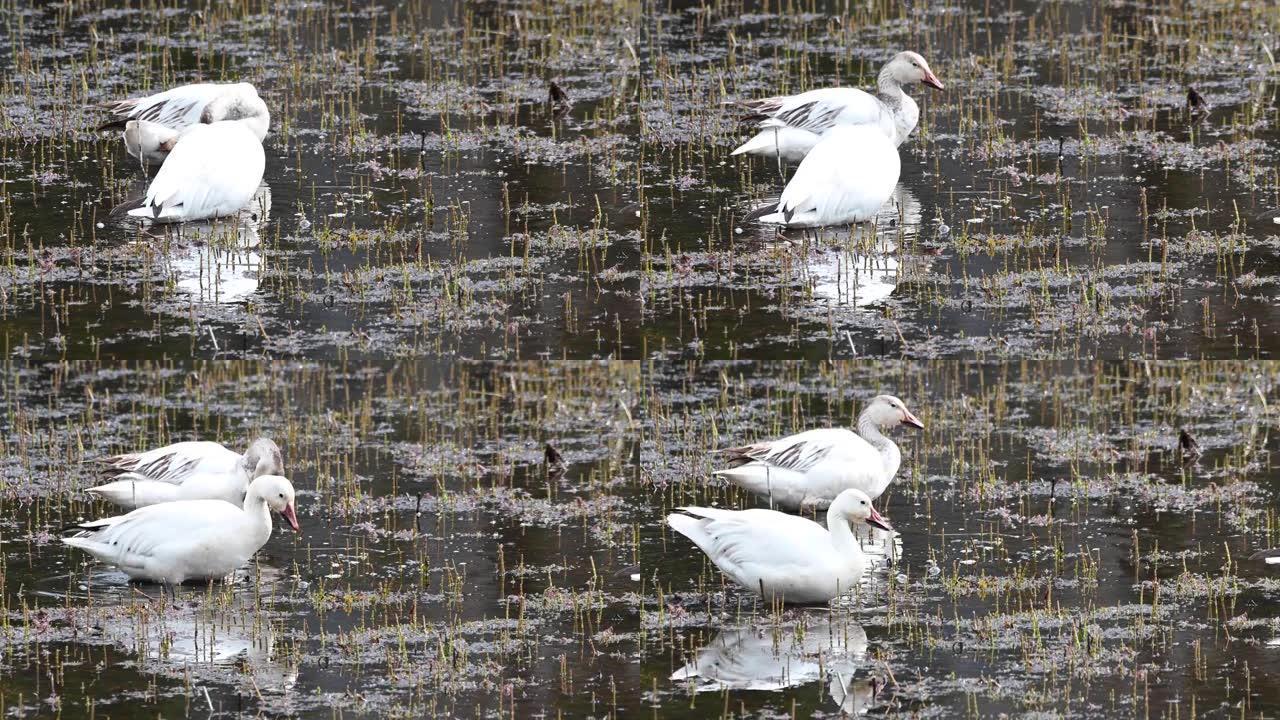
[764, 143]
[692, 528]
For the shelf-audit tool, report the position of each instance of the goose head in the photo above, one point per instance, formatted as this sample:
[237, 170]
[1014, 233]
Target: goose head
[277, 493]
[855, 507]
[887, 411]
[263, 458]
[909, 68]
[240, 103]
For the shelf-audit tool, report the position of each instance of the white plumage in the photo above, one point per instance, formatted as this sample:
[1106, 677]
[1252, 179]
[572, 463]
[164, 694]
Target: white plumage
[791, 125]
[796, 123]
[188, 539]
[781, 557]
[213, 170]
[845, 179]
[810, 469]
[192, 470]
[153, 124]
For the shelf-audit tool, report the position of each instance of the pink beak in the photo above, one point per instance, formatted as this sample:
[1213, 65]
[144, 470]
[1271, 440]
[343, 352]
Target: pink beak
[878, 520]
[912, 420]
[287, 514]
[932, 80]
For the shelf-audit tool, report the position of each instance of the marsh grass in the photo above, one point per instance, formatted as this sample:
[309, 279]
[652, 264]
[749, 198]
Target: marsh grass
[440, 566]
[1056, 554]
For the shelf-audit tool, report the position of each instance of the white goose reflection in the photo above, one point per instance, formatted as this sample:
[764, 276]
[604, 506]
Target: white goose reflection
[219, 638]
[215, 632]
[218, 261]
[857, 266]
[790, 654]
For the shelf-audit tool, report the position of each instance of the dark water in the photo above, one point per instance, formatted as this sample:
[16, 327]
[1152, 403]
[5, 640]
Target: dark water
[441, 569]
[1055, 556]
[437, 254]
[447, 209]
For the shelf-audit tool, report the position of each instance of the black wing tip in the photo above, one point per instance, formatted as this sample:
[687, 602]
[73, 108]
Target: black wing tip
[114, 125]
[131, 203]
[766, 209]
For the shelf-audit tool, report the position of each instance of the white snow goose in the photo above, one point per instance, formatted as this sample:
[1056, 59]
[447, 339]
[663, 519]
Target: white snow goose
[791, 125]
[846, 179]
[174, 542]
[193, 470]
[785, 558]
[213, 171]
[810, 469]
[153, 124]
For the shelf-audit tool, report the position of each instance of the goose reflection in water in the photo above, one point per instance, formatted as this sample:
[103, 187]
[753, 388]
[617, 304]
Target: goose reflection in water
[218, 261]
[226, 640]
[857, 266]
[217, 634]
[775, 657]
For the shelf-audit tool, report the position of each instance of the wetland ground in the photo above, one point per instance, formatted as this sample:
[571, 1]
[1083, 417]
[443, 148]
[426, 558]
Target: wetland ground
[1058, 199]
[444, 274]
[1055, 557]
[443, 569]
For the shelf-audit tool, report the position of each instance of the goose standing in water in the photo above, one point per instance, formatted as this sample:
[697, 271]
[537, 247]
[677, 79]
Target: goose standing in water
[193, 470]
[174, 542]
[213, 171]
[846, 179]
[791, 125]
[812, 468]
[785, 558]
[153, 124]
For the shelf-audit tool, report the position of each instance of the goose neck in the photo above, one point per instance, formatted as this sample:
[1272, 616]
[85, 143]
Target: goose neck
[869, 430]
[255, 507]
[889, 88]
[842, 538]
[259, 516]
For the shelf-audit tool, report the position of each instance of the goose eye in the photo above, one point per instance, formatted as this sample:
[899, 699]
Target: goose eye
[282, 495]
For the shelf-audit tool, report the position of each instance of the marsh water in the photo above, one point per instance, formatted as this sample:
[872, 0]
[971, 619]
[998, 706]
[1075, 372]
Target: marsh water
[443, 569]
[443, 273]
[1055, 556]
[1058, 199]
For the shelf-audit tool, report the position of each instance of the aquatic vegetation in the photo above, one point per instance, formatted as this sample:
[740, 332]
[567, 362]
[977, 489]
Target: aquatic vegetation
[1053, 544]
[440, 567]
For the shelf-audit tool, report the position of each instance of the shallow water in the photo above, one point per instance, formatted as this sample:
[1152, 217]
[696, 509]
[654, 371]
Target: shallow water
[1057, 200]
[1056, 556]
[432, 237]
[441, 569]
[1067, 204]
